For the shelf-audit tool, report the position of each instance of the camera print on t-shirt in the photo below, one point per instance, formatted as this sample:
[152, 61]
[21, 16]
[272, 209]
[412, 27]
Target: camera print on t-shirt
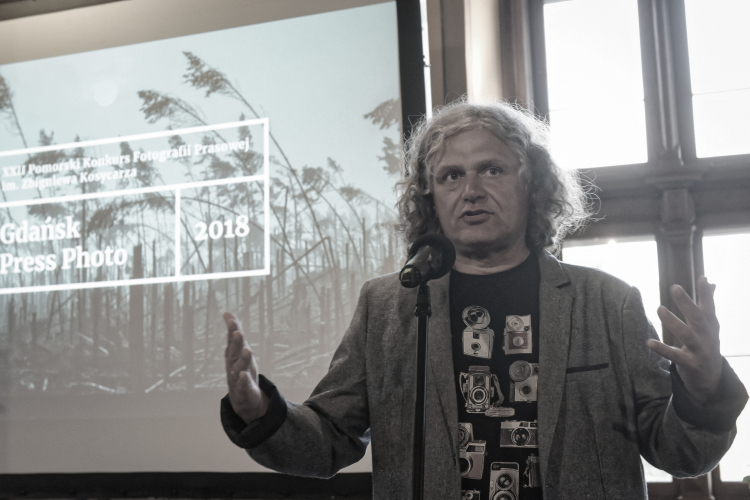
[481, 391]
[478, 340]
[471, 452]
[517, 335]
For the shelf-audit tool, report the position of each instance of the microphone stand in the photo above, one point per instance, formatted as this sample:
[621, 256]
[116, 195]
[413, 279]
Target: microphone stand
[431, 256]
[422, 311]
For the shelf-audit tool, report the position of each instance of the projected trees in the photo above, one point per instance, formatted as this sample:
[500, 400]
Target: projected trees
[327, 237]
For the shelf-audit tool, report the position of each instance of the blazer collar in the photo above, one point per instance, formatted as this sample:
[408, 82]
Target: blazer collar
[551, 270]
[555, 311]
[440, 353]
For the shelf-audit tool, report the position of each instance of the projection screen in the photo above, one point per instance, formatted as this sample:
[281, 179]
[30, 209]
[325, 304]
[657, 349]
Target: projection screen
[163, 162]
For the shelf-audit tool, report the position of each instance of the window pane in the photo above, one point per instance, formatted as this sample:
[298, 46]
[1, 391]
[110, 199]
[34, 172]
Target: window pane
[718, 43]
[636, 263]
[595, 83]
[721, 126]
[725, 262]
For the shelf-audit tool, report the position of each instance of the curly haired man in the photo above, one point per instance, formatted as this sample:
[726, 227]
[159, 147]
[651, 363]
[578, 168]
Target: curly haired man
[545, 380]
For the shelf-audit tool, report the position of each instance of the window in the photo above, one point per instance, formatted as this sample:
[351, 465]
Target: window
[632, 260]
[651, 99]
[719, 42]
[725, 258]
[593, 75]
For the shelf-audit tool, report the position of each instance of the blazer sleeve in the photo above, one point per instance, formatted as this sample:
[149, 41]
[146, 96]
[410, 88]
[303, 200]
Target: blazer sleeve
[330, 430]
[675, 434]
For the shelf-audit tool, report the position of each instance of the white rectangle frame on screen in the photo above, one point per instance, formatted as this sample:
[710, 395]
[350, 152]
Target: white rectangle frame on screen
[176, 188]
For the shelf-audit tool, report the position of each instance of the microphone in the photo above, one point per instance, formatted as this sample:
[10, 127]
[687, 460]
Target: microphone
[431, 256]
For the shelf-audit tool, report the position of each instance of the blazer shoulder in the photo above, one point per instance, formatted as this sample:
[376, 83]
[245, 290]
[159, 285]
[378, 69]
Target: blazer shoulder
[384, 287]
[589, 278]
[384, 282]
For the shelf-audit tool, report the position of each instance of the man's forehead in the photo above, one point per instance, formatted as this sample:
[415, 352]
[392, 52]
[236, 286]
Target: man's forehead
[478, 145]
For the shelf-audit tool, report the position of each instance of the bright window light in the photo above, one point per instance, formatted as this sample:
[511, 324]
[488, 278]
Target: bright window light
[725, 262]
[595, 85]
[718, 44]
[634, 262]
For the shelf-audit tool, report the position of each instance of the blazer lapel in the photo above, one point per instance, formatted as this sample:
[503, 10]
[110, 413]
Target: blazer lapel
[555, 311]
[440, 353]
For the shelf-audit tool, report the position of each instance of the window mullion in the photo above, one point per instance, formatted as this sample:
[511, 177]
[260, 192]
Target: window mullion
[682, 82]
[662, 128]
[538, 58]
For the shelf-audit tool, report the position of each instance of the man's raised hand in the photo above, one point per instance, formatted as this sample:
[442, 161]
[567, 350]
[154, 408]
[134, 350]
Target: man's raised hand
[247, 398]
[698, 361]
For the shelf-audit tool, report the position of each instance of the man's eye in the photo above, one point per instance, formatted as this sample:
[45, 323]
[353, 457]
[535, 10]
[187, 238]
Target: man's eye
[493, 171]
[453, 176]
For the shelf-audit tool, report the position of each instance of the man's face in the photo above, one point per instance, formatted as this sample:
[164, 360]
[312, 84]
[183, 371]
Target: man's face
[480, 199]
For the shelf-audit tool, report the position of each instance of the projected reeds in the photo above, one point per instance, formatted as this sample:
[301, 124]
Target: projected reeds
[326, 238]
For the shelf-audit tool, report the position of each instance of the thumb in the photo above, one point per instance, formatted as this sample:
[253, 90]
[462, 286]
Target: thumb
[233, 324]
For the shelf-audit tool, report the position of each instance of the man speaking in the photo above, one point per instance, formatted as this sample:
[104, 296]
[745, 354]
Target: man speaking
[545, 380]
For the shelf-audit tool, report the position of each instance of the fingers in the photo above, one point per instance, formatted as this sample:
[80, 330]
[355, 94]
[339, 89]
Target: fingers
[235, 338]
[701, 317]
[233, 324]
[699, 360]
[706, 297]
[238, 355]
[234, 347]
[242, 373]
[675, 325]
[688, 308]
[675, 355]
[245, 362]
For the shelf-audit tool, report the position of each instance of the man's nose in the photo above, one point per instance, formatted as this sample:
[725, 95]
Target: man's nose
[473, 189]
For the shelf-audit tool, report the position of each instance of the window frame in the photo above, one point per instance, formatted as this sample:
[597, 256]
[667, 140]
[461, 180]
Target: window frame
[675, 195]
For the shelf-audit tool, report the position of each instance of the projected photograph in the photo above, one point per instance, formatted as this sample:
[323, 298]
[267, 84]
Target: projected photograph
[148, 188]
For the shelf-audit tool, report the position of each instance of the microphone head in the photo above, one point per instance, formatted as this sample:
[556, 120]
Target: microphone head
[440, 243]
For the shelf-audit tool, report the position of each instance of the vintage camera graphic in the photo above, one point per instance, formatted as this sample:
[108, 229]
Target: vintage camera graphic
[518, 434]
[478, 339]
[504, 481]
[524, 377]
[517, 334]
[470, 495]
[533, 479]
[478, 390]
[471, 460]
[465, 435]
[478, 342]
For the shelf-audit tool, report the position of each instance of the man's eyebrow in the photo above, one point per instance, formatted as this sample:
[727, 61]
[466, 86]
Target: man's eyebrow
[439, 168]
[494, 162]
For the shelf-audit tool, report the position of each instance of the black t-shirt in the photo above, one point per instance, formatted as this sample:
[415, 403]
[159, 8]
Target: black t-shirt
[495, 333]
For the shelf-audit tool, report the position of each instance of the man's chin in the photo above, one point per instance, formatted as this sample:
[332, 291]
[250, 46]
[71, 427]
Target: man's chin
[480, 246]
[477, 245]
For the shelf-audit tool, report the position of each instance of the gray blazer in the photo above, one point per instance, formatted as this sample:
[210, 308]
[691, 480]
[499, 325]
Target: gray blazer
[594, 421]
